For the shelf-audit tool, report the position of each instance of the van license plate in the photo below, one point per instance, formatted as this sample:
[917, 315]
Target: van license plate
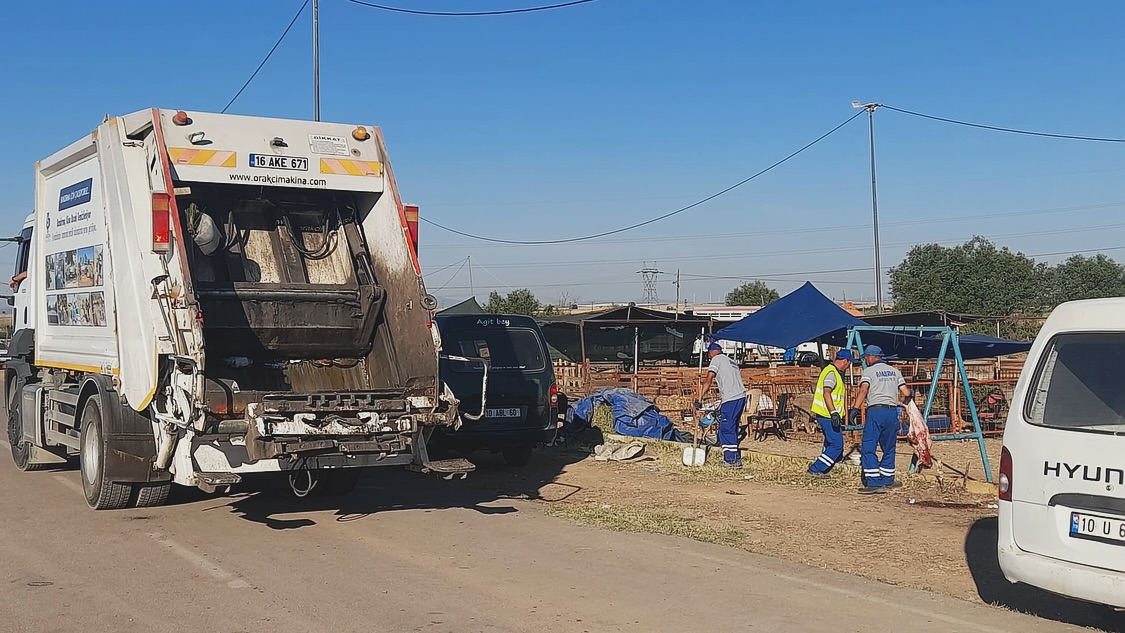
[1098, 528]
[512, 412]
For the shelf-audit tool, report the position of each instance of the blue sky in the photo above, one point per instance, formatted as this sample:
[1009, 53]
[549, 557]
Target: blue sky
[569, 122]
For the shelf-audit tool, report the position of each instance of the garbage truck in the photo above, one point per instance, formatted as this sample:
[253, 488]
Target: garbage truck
[200, 298]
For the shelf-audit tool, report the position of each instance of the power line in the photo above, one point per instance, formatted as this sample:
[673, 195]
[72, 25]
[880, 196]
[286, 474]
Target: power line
[457, 272]
[810, 251]
[267, 57]
[462, 260]
[652, 220]
[463, 14]
[1005, 129]
[828, 229]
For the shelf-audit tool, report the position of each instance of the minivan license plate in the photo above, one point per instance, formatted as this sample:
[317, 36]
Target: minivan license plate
[512, 412]
[1098, 528]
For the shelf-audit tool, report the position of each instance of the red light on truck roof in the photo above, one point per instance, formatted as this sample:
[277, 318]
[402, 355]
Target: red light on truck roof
[161, 223]
[181, 118]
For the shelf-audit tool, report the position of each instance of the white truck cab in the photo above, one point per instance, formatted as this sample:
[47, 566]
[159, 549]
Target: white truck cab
[1062, 472]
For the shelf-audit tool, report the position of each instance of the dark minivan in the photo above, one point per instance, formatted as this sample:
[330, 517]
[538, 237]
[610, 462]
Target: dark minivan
[521, 407]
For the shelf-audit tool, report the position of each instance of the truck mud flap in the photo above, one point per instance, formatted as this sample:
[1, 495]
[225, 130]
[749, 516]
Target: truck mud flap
[130, 458]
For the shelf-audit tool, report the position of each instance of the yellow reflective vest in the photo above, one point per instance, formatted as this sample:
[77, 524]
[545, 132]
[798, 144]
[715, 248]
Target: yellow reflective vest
[819, 408]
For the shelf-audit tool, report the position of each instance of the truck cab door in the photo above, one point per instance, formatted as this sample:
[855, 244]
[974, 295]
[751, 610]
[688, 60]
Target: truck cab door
[23, 316]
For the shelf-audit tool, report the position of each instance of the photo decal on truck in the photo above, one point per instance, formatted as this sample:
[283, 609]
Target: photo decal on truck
[76, 308]
[79, 268]
[76, 269]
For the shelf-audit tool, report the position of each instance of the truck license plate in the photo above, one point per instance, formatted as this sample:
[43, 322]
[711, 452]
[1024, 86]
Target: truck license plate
[288, 163]
[1098, 528]
[511, 412]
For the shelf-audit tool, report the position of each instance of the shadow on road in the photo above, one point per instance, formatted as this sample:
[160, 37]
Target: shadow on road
[993, 588]
[390, 489]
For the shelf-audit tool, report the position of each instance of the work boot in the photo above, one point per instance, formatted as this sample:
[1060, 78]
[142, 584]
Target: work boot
[895, 484]
[872, 490]
[812, 475]
[733, 465]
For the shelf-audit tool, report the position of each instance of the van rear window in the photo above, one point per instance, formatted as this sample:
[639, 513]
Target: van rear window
[505, 349]
[1079, 383]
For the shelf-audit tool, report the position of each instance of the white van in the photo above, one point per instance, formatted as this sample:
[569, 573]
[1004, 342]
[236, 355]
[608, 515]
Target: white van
[1062, 471]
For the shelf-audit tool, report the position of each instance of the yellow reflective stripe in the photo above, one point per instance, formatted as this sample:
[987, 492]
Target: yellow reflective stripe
[202, 157]
[346, 167]
[90, 369]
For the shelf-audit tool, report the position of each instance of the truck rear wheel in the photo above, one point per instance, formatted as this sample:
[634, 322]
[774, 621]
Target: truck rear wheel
[101, 494]
[153, 495]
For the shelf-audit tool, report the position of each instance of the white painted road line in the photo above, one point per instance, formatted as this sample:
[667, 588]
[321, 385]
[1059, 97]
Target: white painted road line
[210, 568]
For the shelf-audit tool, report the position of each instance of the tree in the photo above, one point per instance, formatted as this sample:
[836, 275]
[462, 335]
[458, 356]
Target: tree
[975, 277]
[753, 293]
[1085, 278]
[521, 301]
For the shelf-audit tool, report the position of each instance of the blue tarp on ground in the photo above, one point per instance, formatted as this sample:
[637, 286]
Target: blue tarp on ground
[799, 317]
[633, 414]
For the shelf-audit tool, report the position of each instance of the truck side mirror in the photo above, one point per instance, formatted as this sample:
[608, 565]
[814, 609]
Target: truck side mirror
[11, 299]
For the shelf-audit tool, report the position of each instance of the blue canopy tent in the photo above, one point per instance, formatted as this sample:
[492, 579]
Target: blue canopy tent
[800, 316]
[807, 315]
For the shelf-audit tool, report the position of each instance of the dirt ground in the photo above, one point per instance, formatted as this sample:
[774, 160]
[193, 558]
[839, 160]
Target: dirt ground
[914, 536]
[962, 455]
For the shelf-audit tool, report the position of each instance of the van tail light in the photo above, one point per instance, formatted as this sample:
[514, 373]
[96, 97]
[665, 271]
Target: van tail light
[554, 395]
[1005, 484]
[161, 223]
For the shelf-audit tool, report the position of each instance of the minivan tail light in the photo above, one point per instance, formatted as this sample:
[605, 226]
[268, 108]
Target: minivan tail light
[161, 223]
[554, 395]
[1005, 483]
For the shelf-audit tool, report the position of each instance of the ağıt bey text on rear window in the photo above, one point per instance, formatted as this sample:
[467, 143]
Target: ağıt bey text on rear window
[1079, 383]
[505, 349]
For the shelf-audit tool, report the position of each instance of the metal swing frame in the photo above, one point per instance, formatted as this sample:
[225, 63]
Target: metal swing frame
[950, 341]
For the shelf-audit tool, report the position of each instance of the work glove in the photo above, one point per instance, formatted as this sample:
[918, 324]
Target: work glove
[697, 404]
[837, 422]
[854, 416]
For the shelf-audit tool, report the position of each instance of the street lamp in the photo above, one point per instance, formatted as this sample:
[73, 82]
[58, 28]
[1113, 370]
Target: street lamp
[871, 107]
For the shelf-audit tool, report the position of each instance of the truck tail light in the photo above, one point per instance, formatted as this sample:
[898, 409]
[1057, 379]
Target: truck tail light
[411, 212]
[161, 223]
[554, 395]
[1005, 483]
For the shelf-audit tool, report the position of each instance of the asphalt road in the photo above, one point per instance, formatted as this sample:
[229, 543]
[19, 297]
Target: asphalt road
[410, 553]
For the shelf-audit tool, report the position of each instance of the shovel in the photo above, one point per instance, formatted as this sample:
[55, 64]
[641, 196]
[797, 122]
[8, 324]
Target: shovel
[695, 455]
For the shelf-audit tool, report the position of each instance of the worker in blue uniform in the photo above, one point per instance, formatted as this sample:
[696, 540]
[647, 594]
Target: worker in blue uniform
[882, 390]
[724, 373]
[829, 408]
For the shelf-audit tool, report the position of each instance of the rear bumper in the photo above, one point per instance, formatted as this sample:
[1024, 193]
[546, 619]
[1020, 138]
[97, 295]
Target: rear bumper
[494, 439]
[1073, 580]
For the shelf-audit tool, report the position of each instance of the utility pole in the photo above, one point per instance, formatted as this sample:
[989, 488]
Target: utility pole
[677, 313]
[472, 291]
[316, 58]
[871, 107]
